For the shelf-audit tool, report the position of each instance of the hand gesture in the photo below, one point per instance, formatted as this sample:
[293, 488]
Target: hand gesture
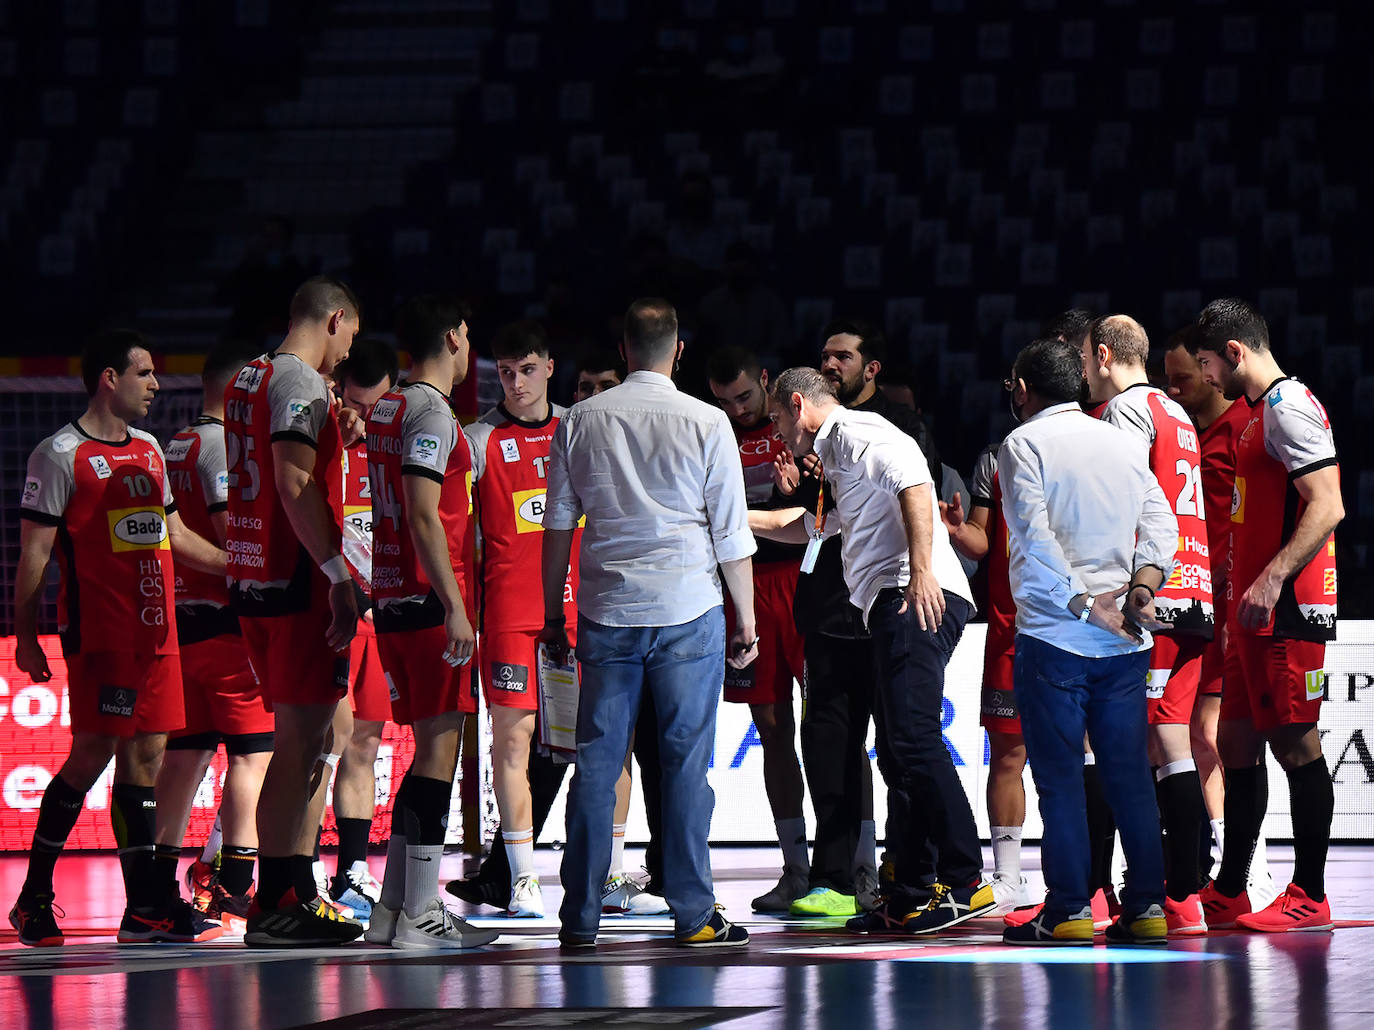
[952, 514]
[924, 596]
[29, 657]
[786, 475]
[352, 426]
[1256, 606]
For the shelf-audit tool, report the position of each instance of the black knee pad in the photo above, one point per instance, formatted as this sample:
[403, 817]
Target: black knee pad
[247, 743]
[207, 741]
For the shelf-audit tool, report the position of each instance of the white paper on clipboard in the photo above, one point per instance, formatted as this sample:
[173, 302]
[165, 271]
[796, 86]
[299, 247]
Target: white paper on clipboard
[558, 693]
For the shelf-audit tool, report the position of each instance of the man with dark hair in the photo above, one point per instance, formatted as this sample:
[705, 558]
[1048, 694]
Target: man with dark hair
[597, 371]
[1070, 326]
[223, 698]
[1281, 593]
[100, 487]
[657, 477]
[1088, 525]
[419, 471]
[740, 386]
[906, 581]
[1114, 357]
[360, 380]
[291, 586]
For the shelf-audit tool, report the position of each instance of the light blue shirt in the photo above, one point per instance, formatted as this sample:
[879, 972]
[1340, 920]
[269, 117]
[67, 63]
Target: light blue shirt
[657, 474]
[1083, 511]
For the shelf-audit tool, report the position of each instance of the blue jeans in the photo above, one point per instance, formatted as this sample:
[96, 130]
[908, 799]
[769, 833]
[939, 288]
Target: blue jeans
[1061, 695]
[683, 668]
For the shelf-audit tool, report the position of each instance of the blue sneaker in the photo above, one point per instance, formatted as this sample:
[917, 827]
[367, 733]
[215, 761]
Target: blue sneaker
[356, 903]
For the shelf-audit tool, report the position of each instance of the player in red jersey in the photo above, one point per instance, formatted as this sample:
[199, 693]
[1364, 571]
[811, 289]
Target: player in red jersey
[224, 701]
[421, 476]
[99, 488]
[1281, 601]
[293, 592]
[1114, 356]
[510, 453]
[739, 384]
[1219, 422]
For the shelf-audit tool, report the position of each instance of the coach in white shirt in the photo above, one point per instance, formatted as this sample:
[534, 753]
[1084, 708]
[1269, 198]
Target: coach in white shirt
[657, 475]
[1088, 525]
[903, 575]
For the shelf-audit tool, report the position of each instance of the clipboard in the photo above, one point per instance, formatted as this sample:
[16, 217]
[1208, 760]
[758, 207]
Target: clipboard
[558, 696]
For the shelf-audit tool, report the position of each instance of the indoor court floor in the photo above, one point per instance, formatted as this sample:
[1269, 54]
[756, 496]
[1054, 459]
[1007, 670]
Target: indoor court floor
[794, 973]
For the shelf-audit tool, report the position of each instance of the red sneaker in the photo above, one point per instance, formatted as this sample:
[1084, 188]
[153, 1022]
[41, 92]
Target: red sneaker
[1022, 916]
[1102, 905]
[1220, 911]
[1292, 910]
[200, 879]
[1184, 917]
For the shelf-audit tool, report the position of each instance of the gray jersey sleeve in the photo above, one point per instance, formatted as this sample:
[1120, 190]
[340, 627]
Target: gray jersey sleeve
[168, 501]
[479, 435]
[1130, 410]
[1296, 429]
[212, 468]
[50, 479]
[429, 433]
[980, 486]
[299, 400]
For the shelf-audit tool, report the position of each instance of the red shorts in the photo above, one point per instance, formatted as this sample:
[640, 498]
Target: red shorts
[1171, 684]
[222, 694]
[999, 712]
[1272, 682]
[768, 678]
[368, 692]
[119, 694]
[292, 662]
[510, 667]
[421, 684]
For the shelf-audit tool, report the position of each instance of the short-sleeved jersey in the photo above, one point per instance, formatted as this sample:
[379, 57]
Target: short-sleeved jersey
[758, 446]
[510, 459]
[275, 397]
[357, 514]
[1184, 602]
[1218, 461]
[199, 474]
[986, 492]
[109, 502]
[1288, 435]
[412, 431]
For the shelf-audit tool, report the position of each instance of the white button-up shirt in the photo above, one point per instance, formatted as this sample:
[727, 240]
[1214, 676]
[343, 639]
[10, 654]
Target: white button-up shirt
[1083, 512]
[657, 474]
[868, 462]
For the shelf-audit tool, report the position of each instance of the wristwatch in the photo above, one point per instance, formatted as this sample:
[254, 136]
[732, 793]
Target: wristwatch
[1087, 609]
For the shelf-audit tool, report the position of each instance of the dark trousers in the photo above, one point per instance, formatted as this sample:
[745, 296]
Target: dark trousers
[927, 806]
[834, 743]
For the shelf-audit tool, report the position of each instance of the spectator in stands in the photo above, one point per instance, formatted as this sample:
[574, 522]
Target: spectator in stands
[744, 312]
[260, 288]
[695, 237]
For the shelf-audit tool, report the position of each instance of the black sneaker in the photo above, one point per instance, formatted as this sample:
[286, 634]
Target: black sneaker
[32, 918]
[572, 942]
[298, 924]
[718, 932]
[885, 918]
[174, 922]
[479, 891]
[1149, 928]
[950, 906]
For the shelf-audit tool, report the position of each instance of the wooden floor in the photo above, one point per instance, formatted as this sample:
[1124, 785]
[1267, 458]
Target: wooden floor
[793, 974]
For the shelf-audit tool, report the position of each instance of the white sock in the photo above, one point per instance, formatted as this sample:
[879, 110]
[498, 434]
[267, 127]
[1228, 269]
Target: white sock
[1259, 865]
[317, 871]
[1218, 834]
[1006, 853]
[359, 868]
[394, 878]
[792, 840]
[866, 854]
[617, 850]
[422, 876]
[519, 852]
[212, 843]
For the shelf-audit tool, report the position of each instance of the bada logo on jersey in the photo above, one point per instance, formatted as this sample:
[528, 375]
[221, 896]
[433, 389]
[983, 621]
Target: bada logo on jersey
[529, 510]
[137, 529]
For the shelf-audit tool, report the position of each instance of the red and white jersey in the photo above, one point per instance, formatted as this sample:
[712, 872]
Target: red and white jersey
[109, 502]
[986, 492]
[510, 460]
[276, 397]
[412, 431]
[1218, 461]
[357, 514]
[1288, 435]
[758, 446]
[1185, 601]
[199, 476]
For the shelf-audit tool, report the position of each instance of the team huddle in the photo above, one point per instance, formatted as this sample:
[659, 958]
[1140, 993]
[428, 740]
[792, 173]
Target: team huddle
[327, 549]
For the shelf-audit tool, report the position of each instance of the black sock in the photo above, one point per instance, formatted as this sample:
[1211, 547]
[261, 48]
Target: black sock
[1101, 829]
[315, 855]
[166, 858]
[303, 877]
[236, 869]
[1180, 805]
[426, 813]
[353, 834]
[133, 814]
[1247, 799]
[274, 879]
[57, 815]
[1312, 799]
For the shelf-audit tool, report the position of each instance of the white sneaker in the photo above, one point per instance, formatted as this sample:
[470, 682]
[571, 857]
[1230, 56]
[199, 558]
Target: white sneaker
[321, 879]
[362, 881]
[381, 928]
[526, 899]
[866, 888]
[1009, 894]
[438, 928]
[627, 897]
